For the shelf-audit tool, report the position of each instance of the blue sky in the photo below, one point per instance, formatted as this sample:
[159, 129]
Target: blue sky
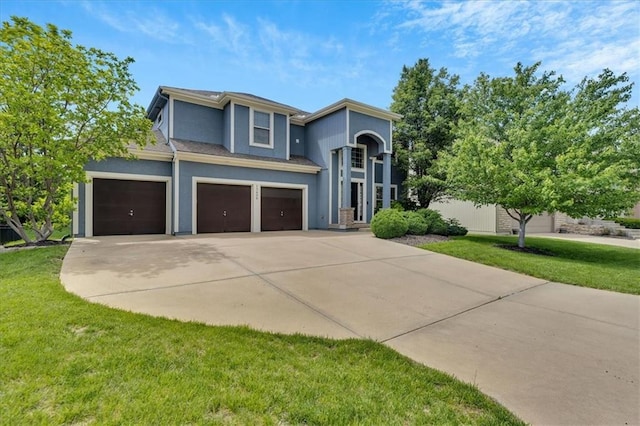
[309, 54]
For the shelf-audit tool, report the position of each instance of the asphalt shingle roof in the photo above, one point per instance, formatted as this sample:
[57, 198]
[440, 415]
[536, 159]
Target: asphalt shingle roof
[220, 151]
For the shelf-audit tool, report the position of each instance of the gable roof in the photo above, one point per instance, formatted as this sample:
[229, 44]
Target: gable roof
[220, 99]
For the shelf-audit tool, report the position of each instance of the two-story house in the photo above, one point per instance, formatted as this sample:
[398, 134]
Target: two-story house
[234, 162]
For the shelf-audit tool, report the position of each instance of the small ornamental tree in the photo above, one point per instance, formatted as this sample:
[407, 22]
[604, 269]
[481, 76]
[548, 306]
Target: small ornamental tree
[527, 145]
[428, 102]
[60, 106]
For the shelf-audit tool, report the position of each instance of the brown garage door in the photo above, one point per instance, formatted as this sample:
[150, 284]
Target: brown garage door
[281, 209]
[224, 208]
[126, 207]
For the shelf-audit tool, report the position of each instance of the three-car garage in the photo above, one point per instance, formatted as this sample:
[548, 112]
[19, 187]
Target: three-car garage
[122, 204]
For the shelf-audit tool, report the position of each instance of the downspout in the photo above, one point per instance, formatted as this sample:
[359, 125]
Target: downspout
[176, 167]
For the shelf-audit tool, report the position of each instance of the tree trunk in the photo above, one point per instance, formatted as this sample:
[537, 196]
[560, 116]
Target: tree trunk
[523, 219]
[17, 226]
[521, 231]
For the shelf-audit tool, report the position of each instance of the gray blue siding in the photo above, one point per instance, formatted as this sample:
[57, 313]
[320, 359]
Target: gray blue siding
[296, 134]
[327, 133]
[241, 129]
[197, 123]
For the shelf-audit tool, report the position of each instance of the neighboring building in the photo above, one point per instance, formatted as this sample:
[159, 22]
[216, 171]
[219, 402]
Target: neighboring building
[233, 162]
[494, 219]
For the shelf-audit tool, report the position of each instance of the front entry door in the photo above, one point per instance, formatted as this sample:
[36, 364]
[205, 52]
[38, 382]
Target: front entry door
[357, 201]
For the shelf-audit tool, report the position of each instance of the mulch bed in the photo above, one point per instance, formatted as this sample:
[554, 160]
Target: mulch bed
[530, 250]
[418, 240]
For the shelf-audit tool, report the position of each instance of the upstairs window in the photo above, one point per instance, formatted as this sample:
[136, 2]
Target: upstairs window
[357, 158]
[262, 122]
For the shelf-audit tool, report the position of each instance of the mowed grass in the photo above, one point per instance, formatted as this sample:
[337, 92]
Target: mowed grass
[67, 361]
[583, 264]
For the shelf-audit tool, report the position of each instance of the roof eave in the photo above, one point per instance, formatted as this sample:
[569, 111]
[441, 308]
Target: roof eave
[353, 106]
[156, 105]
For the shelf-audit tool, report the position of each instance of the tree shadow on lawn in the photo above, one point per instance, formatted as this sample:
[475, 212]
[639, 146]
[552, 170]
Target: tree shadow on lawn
[599, 254]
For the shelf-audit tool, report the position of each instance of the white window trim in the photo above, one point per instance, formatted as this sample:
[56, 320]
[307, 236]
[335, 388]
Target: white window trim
[88, 195]
[232, 127]
[380, 185]
[364, 199]
[251, 129]
[256, 189]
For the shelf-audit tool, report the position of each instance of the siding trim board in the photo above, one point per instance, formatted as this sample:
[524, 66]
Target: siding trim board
[353, 106]
[256, 187]
[288, 138]
[88, 205]
[75, 217]
[143, 154]
[232, 128]
[244, 162]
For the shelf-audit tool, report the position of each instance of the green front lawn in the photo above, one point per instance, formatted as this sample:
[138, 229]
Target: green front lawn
[65, 360]
[583, 264]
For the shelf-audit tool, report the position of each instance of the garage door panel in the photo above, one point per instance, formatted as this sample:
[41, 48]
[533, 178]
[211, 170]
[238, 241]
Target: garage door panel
[538, 223]
[223, 208]
[281, 209]
[125, 207]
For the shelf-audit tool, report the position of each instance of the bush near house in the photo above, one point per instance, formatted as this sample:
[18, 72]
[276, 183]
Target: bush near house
[389, 223]
[434, 220]
[455, 228]
[417, 224]
[628, 222]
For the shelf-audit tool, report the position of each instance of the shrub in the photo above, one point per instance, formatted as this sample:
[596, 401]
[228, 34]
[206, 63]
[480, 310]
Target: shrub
[389, 223]
[454, 227]
[628, 222]
[435, 222]
[417, 224]
[397, 205]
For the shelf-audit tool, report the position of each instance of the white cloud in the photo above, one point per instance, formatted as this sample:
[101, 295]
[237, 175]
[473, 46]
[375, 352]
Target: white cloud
[574, 38]
[292, 56]
[229, 35]
[152, 23]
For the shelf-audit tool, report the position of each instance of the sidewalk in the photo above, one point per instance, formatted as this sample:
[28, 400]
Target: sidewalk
[611, 241]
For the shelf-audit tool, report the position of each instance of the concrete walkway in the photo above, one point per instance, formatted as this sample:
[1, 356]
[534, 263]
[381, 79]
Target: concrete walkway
[610, 241]
[551, 353]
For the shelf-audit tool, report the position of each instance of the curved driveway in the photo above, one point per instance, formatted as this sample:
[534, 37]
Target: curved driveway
[552, 353]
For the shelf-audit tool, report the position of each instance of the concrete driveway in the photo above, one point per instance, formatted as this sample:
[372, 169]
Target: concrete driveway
[552, 353]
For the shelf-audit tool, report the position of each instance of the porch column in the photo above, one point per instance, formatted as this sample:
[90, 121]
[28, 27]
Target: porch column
[346, 211]
[386, 180]
[346, 176]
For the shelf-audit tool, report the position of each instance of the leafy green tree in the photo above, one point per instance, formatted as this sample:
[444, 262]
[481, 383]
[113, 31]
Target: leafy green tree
[427, 100]
[60, 106]
[529, 146]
